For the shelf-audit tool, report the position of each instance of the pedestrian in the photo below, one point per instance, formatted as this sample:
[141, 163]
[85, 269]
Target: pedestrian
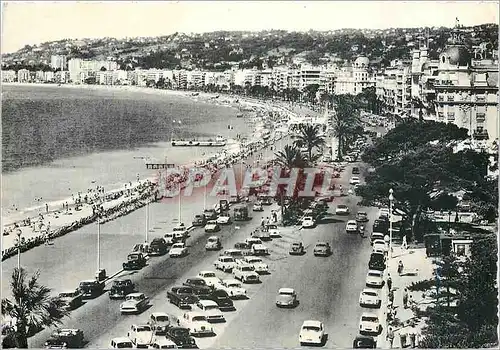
[400, 267]
[404, 245]
[390, 337]
[391, 297]
[389, 282]
[46, 208]
[402, 338]
[263, 223]
[405, 298]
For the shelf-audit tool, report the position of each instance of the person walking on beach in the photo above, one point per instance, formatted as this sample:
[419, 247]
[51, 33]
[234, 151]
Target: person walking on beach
[405, 298]
[46, 208]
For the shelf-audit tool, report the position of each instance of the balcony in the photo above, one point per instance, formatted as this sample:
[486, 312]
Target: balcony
[480, 134]
[480, 117]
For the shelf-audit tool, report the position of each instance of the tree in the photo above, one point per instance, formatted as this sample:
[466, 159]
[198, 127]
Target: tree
[309, 136]
[310, 92]
[32, 307]
[346, 122]
[290, 157]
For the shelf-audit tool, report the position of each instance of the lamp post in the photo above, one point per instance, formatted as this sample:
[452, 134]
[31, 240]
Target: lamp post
[147, 222]
[19, 232]
[449, 221]
[98, 242]
[391, 199]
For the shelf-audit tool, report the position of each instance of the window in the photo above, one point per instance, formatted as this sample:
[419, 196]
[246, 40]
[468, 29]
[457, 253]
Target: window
[480, 117]
[450, 98]
[460, 249]
[440, 98]
[451, 116]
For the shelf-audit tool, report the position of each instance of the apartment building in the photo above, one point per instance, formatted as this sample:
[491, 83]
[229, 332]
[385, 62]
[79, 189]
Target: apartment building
[23, 76]
[195, 79]
[58, 62]
[8, 76]
[80, 69]
[354, 78]
[394, 87]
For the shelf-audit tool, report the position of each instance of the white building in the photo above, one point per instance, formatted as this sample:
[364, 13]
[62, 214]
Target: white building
[8, 76]
[353, 79]
[23, 76]
[58, 62]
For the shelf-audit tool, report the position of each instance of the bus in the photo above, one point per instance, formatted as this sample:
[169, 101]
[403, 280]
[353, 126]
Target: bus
[241, 213]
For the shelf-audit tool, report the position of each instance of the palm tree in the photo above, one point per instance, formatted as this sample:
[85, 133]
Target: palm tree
[290, 157]
[309, 136]
[346, 121]
[32, 307]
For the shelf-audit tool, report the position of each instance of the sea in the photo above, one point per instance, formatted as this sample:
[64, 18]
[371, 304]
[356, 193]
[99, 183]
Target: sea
[57, 140]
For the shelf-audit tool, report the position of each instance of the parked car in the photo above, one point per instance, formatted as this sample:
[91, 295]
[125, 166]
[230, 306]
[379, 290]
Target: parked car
[225, 263]
[259, 266]
[322, 249]
[161, 321]
[233, 288]
[135, 261]
[162, 343]
[377, 261]
[369, 324]
[211, 311]
[312, 332]
[342, 209]
[221, 298]
[361, 216]
[257, 206]
[198, 285]
[245, 273]
[210, 214]
[297, 248]
[181, 337]
[235, 253]
[273, 230]
[355, 170]
[91, 288]
[364, 342]
[73, 298]
[121, 343]
[259, 250]
[250, 241]
[308, 222]
[182, 297]
[134, 303]
[224, 219]
[66, 338]
[376, 236]
[287, 297]
[369, 298]
[199, 220]
[212, 226]
[375, 279]
[380, 245]
[178, 250]
[140, 335]
[351, 226]
[197, 324]
[120, 288]
[213, 243]
[210, 278]
[158, 247]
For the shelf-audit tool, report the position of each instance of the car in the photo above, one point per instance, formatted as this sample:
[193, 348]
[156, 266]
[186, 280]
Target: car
[161, 321]
[265, 200]
[376, 236]
[354, 180]
[199, 220]
[213, 243]
[375, 278]
[120, 288]
[381, 226]
[225, 263]
[377, 261]
[120, 343]
[158, 247]
[308, 222]
[364, 342]
[351, 226]
[135, 261]
[141, 335]
[197, 324]
[245, 273]
[257, 206]
[273, 230]
[369, 298]
[259, 250]
[181, 337]
[312, 332]
[224, 219]
[134, 303]
[235, 253]
[198, 285]
[384, 212]
[182, 296]
[252, 240]
[362, 216]
[211, 311]
[342, 209]
[380, 245]
[181, 230]
[233, 288]
[171, 238]
[212, 226]
[163, 343]
[72, 298]
[65, 338]
[178, 250]
[91, 288]
[264, 235]
[297, 248]
[209, 277]
[287, 297]
[259, 266]
[210, 214]
[369, 324]
[322, 249]
[221, 298]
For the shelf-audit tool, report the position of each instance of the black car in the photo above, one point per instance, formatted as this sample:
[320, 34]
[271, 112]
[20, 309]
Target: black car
[198, 285]
[181, 337]
[91, 288]
[158, 247]
[364, 342]
[377, 262]
[121, 288]
[199, 220]
[135, 261]
[380, 226]
[182, 296]
[65, 338]
[221, 298]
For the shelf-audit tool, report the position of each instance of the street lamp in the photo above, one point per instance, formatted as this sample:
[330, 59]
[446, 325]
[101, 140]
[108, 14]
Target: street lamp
[98, 242]
[391, 199]
[19, 232]
[449, 221]
[147, 222]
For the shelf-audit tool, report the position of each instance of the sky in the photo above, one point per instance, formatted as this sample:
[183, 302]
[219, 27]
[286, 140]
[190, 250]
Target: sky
[36, 22]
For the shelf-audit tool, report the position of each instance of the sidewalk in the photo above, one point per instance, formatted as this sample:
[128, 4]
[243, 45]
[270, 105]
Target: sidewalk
[417, 267]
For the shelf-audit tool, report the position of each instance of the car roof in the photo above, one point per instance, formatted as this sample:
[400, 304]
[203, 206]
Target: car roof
[369, 314]
[308, 218]
[259, 246]
[371, 290]
[376, 271]
[323, 243]
[286, 290]
[121, 340]
[352, 222]
[213, 237]
[312, 323]
[136, 294]
[156, 314]
[163, 340]
[376, 241]
[206, 271]
[231, 280]
[225, 256]
[195, 313]
[206, 302]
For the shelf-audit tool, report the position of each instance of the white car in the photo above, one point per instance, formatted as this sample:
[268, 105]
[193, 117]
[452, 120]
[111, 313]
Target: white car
[178, 250]
[121, 343]
[134, 303]
[212, 226]
[211, 311]
[140, 335]
[225, 263]
[259, 249]
[233, 288]
[342, 209]
[213, 243]
[209, 277]
[197, 323]
[354, 180]
[308, 222]
[259, 266]
[351, 226]
[369, 323]
[312, 332]
[253, 240]
[181, 229]
[224, 219]
[257, 206]
[273, 230]
[160, 321]
[287, 297]
[375, 278]
[245, 273]
[381, 245]
[369, 298]
[163, 343]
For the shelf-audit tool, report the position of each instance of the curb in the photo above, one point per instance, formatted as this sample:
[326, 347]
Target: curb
[109, 278]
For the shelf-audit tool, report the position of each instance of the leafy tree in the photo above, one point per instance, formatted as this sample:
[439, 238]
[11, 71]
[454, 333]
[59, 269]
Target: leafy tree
[290, 157]
[309, 136]
[310, 92]
[346, 122]
[32, 307]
